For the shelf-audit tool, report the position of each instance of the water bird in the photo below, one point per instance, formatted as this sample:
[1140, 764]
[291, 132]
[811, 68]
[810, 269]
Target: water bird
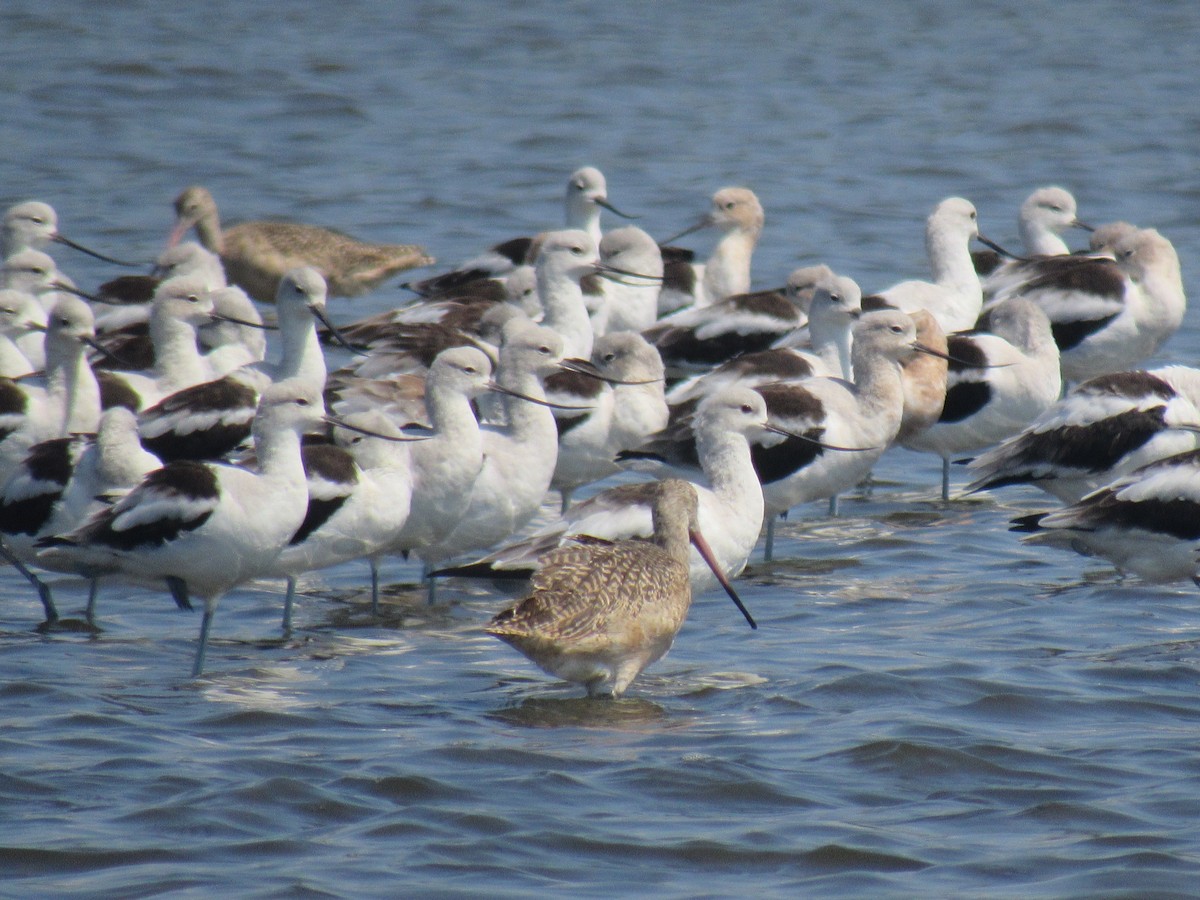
[1000, 380]
[1146, 521]
[1102, 429]
[1042, 218]
[33, 225]
[256, 255]
[715, 440]
[839, 429]
[586, 195]
[1109, 315]
[738, 216]
[600, 611]
[621, 390]
[954, 297]
[206, 528]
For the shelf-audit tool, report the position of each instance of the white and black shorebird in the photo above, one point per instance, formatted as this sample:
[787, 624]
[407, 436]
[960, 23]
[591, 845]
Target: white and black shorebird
[1042, 218]
[1146, 522]
[1109, 315]
[840, 429]
[33, 225]
[206, 528]
[586, 195]
[1000, 380]
[59, 484]
[738, 217]
[715, 442]
[1102, 429]
[954, 296]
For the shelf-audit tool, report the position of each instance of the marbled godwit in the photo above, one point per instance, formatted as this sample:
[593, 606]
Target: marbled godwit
[601, 612]
[257, 254]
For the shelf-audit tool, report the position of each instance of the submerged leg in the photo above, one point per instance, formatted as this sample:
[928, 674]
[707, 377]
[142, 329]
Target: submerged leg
[42, 588]
[93, 591]
[946, 478]
[201, 650]
[288, 600]
[430, 583]
[833, 505]
[374, 563]
[769, 543]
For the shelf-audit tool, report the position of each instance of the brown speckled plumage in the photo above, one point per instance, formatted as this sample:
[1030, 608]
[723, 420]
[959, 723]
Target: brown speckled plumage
[257, 254]
[600, 612]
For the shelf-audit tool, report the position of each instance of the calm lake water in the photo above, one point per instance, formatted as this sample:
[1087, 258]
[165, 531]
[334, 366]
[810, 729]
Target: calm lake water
[929, 708]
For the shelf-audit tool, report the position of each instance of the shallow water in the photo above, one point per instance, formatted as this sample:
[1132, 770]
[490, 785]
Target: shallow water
[928, 708]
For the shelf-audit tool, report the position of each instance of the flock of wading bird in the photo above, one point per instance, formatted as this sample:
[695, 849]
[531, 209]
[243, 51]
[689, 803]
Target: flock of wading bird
[145, 438]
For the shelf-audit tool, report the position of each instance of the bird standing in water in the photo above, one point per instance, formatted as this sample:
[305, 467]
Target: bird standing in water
[600, 612]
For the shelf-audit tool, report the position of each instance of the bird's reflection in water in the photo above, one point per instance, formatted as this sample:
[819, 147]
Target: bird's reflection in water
[624, 713]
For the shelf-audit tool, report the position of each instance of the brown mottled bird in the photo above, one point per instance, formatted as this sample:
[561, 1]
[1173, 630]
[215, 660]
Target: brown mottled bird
[257, 254]
[600, 612]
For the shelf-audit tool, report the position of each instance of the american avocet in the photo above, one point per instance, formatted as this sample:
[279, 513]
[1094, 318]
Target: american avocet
[954, 296]
[1110, 315]
[33, 225]
[839, 429]
[59, 484]
[123, 302]
[209, 419]
[601, 612]
[65, 401]
[586, 195]
[738, 216]
[35, 273]
[181, 306]
[716, 440]
[1104, 428]
[999, 381]
[622, 392]
[628, 302]
[924, 376]
[823, 348]
[257, 254]
[696, 339]
[519, 455]
[1146, 522]
[206, 528]
[445, 467]
[359, 497]
[21, 317]
[1042, 218]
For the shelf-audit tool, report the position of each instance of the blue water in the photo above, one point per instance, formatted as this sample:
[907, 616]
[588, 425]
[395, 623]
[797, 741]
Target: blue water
[929, 708]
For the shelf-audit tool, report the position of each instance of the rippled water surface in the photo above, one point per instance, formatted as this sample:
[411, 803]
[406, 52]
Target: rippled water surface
[929, 707]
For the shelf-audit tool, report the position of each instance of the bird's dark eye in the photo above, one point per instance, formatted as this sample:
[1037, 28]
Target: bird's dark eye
[609, 357]
[470, 370]
[897, 329]
[192, 298]
[747, 408]
[37, 220]
[301, 401]
[974, 214]
[544, 350]
[729, 205]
